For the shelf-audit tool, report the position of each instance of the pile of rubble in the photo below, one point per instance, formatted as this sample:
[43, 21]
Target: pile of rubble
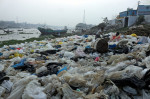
[75, 68]
[140, 31]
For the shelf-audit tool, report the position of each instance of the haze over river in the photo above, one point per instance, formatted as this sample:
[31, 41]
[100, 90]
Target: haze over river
[19, 35]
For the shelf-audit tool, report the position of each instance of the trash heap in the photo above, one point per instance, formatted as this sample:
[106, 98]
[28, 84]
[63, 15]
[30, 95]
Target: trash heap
[75, 67]
[140, 31]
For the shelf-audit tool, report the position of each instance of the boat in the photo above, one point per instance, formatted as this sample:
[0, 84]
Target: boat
[7, 31]
[49, 31]
[20, 29]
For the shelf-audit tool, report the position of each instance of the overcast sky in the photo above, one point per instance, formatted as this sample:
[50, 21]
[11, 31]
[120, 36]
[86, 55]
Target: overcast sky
[63, 12]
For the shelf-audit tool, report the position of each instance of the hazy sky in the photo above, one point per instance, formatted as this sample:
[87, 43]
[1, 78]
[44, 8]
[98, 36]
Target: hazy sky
[63, 12]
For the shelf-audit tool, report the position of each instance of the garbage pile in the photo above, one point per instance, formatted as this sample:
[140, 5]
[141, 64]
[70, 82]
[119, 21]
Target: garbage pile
[75, 67]
[140, 31]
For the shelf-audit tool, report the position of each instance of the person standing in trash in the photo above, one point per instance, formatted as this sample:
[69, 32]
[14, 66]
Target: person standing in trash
[98, 34]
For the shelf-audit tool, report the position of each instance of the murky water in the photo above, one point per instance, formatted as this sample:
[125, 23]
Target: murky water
[19, 35]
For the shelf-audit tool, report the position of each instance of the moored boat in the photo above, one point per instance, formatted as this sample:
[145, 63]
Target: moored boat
[48, 31]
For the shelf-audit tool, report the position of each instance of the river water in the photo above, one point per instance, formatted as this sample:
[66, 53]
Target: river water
[19, 35]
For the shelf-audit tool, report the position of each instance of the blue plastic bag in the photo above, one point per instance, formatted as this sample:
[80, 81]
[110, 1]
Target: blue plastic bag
[112, 46]
[88, 46]
[21, 63]
[139, 43]
[86, 36]
[12, 48]
[65, 68]
[1, 54]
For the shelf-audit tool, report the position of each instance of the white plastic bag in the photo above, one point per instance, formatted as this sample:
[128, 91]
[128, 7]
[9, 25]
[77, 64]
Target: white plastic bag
[79, 52]
[69, 54]
[34, 91]
[2, 91]
[7, 84]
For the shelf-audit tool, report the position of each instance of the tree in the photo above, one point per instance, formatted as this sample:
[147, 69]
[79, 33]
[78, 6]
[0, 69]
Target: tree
[105, 20]
[140, 20]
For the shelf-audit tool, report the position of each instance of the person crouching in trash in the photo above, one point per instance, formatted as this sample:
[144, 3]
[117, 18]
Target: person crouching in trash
[116, 37]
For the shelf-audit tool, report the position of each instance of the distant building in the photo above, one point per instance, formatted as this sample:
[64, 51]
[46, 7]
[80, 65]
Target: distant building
[129, 17]
[81, 27]
[65, 28]
[129, 12]
[143, 10]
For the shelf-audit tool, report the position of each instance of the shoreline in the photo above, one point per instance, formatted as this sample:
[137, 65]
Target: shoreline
[13, 42]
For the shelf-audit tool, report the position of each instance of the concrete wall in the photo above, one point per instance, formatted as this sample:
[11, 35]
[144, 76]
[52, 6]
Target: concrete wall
[131, 20]
[147, 18]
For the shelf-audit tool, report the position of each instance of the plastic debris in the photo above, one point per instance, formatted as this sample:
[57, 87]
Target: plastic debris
[133, 82]
[1, 54]
[20, 64]
[65, 68]
[7, 84]
[130, 90]
[3, 77]
[69, 54]
[76, 67]
[97, 59]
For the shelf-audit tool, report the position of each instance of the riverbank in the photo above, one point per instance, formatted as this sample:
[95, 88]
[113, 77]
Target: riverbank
[13, 42]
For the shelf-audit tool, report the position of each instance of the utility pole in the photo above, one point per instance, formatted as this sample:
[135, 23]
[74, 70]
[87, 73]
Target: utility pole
[84, 17]
[138, 7]
[17, 21]
[139, 3]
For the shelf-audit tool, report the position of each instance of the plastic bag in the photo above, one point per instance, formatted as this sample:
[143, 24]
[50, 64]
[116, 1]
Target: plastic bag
[3, 77]
[18, 87]
[49, 52]
[41, 69]
[133, 82]
[2, 91]
[130, 90]
[20, 64]
[69, 54]
[147, 61]
[49, 46]
[1, 67]
[16, 93]
[79, 52]
[34, 91]
[7, 84]
[65, 68]
[145, 95]
[68, 92]
[1, 54]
